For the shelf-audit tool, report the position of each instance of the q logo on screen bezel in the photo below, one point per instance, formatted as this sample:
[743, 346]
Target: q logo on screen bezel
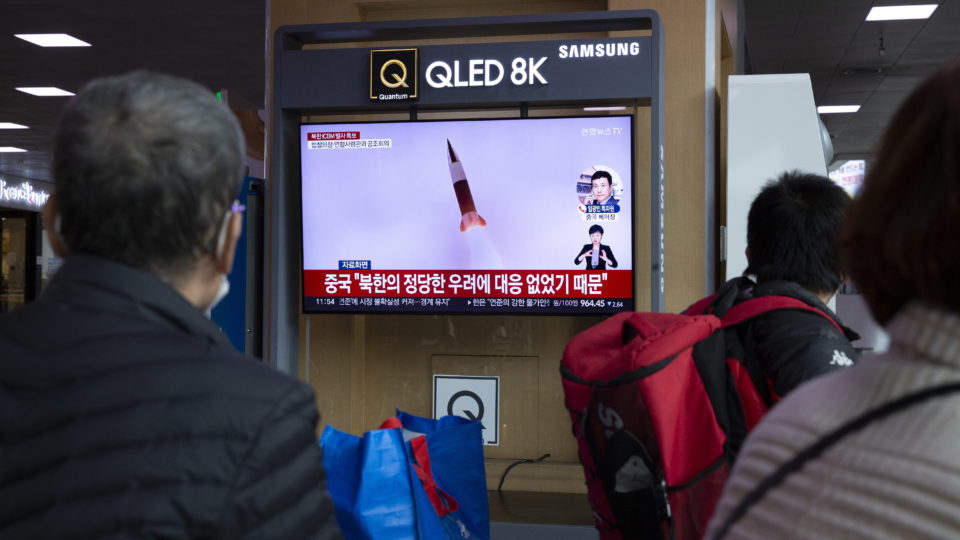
[393, 74]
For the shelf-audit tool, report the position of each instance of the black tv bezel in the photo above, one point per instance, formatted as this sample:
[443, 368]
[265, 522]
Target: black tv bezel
[506, 313]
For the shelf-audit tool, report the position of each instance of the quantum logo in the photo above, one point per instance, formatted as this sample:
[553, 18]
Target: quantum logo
[393, 74]
[401, 79]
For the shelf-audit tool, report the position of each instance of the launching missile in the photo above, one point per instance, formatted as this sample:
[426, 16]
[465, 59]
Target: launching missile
[468, 210]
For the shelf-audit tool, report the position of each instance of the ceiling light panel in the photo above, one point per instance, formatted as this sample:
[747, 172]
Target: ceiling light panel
[11, 149]
[901, 13]
[44, 91]
[11, 125]
[53, 40]
[834, 109]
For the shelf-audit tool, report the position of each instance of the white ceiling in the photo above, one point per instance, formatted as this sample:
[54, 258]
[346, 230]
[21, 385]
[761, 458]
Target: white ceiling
[831, 40]
[221, 44]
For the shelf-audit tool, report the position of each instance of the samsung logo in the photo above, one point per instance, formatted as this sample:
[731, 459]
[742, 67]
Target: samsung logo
[600, 50]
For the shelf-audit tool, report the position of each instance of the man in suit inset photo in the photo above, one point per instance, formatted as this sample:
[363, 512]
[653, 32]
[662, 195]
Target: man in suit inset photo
[602, 189]
[597, 255]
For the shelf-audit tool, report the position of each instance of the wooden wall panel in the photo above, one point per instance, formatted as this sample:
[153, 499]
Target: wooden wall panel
[684, 86]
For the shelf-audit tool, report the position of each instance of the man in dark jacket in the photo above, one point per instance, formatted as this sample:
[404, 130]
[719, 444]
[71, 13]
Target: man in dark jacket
[792, 251]
[124, 412]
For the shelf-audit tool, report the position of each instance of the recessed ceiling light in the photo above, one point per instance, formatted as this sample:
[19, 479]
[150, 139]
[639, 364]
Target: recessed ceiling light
[53, 40]
[901, 13]
[604, 108]
[11, 125]
[832, 109]
[11, 149]
[44, 91]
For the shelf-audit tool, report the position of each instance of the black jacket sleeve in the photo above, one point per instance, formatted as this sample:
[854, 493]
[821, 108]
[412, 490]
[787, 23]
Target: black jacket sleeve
[585, 249]
[613, 260]
[280, 490]
[794, 346]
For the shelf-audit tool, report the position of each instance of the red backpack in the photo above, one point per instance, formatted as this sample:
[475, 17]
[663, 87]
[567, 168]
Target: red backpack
[660, 405]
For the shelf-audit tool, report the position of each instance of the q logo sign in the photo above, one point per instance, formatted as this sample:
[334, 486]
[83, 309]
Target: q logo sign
[393, 74]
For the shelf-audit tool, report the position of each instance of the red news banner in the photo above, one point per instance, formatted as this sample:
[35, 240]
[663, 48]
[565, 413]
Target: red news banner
[470, 283]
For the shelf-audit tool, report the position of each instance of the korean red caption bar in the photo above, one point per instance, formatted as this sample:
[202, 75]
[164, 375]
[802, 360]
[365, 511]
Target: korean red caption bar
[469, 283]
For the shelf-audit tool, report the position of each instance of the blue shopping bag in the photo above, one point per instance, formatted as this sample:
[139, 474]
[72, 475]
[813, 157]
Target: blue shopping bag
[415, 478]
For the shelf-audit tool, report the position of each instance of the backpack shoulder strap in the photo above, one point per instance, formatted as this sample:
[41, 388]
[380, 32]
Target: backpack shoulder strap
[700, 307]
[759, 305]
[819, 447]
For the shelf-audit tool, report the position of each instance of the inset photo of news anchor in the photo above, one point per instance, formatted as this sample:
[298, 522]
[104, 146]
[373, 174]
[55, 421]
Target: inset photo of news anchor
[597, 256]
[599, 185]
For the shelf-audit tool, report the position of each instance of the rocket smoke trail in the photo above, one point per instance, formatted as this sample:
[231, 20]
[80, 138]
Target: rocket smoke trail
[468, 210]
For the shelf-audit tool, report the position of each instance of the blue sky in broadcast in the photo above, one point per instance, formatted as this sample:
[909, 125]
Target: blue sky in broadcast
[395, 205]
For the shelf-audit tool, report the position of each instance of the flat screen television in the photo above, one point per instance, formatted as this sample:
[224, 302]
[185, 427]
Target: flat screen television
[493, 216]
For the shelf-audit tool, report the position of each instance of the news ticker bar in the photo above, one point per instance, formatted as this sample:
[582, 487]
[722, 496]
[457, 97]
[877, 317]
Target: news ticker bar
[569, 306]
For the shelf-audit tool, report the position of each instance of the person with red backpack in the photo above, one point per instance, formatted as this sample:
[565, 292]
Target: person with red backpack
[792, 252]
[661, 403]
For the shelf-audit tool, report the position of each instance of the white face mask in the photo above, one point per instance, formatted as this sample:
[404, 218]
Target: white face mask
[221, 294]
[221, 243]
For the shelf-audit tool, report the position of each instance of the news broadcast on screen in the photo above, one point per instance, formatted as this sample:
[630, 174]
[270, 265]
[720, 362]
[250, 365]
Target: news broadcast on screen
[507, 216]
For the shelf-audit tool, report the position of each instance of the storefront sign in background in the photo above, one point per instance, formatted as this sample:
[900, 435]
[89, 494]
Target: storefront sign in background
[24, 195]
